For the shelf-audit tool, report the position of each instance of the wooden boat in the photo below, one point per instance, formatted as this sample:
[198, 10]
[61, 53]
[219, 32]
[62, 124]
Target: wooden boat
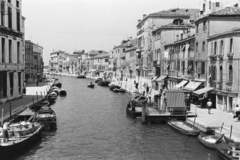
[21, 135]
[208, 140]
[47, 117]
[91, 85]
[81, 76]
[113, 86]
[119, 90]
[58, 84]
[227, 149]
[62, 92]
[103, 83]
[184, 127]
[51, 97]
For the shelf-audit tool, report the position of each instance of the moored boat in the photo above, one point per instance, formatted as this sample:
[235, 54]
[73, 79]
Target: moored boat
[91, 85]
[184, 127]
[227, 149]
[21, 135]
[81, 76]
[113, 86]
[47, 117]
[103, 83]
[62, 92]
[119, 90]
[208, 140]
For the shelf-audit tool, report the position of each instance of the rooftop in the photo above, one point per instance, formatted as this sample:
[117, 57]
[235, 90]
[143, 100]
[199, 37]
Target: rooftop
[174, 13]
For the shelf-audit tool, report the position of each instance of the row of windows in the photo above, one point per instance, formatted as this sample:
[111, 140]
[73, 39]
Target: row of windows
[3, 49]
[213, 73]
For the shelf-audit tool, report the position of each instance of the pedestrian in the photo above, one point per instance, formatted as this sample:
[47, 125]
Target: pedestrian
[147, 89]
[5, 130]
[209, 105]
[237, 112]
[24, 91]
[136, 85]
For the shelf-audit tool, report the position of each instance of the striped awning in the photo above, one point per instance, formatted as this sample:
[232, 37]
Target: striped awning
[191, 86]
[181, 84]
[175, 99]
[203, 90]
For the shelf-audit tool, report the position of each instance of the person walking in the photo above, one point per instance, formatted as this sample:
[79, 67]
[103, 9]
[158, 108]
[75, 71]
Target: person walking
[209, 106]
[237, 112]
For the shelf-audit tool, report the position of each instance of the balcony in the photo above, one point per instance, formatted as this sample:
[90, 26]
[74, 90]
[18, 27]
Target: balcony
[11, 67]
[230, 56]
[213, 57]
[220, 57]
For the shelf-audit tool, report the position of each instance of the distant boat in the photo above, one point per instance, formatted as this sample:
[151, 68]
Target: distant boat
[184, 127]
[62, 92]
[91, 85]
[81, 76]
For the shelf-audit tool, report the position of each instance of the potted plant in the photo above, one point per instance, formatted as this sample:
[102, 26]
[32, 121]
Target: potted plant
[220, 56]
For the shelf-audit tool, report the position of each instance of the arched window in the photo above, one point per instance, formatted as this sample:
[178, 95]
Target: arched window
[230, 74]
[221, 74]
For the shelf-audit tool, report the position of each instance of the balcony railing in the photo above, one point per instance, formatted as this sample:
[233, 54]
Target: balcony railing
[230, 56]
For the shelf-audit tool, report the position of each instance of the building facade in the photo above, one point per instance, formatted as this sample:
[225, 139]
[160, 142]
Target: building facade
[12, 50]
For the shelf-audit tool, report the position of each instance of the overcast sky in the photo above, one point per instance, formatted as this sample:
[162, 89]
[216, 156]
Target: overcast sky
[88, 24]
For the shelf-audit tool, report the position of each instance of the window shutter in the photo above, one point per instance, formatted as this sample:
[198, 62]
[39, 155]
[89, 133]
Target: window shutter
[217, 49]
[228, 45]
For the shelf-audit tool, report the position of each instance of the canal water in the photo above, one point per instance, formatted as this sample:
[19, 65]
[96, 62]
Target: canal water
[92, 124]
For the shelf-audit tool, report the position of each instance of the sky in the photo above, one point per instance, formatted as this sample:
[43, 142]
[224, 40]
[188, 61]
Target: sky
[71, 25]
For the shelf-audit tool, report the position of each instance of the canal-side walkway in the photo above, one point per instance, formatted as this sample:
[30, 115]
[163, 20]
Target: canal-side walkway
[33, 95]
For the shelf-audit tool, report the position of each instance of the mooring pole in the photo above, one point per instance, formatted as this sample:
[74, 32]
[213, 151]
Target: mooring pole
[10, 110]
[144, 113]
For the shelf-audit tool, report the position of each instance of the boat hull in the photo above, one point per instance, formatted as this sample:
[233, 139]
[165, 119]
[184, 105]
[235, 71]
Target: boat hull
[23, 144]
[184, 128]
[208, 140]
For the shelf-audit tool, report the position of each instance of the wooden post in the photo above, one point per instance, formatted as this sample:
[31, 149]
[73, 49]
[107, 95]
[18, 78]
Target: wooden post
[144, 113]
[10, 110]
[230, 133]
[221, 129]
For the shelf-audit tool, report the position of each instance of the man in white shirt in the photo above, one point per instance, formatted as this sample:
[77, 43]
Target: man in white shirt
[209, 106]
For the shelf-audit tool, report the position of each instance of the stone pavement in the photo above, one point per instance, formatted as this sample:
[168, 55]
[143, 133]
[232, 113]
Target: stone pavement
[213, 121]
[32, 96]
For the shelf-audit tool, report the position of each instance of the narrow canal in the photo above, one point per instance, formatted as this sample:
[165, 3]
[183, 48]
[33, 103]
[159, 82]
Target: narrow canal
[92, 124]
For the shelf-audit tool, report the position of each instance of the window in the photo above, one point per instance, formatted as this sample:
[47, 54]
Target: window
[231, 45]
[18, 21]
[18, 52]
[3, 84]
[11, 83]
[181, 35]
[9, 17]
[217, 4]
[2, 15]
[215, 48]
[221, 47]
[204, 7]
[183, 67]
[203, 46]
[19, 82]
[230, 74]
[196, 46]
[35, 56]
[10, 51]
[3, 50]
[196, 28]
[17, 2]
[221, 74]
[209, 4]
[204, 26]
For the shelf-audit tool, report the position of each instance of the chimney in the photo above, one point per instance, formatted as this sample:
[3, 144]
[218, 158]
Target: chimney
[144, 15]
[139, 20]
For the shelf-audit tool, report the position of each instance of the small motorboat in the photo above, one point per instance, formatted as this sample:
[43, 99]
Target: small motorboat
[47, 117]
[184, 127]
[91, 85]
[208, 140]
[62, 92]
[21, 135]
[227, 149]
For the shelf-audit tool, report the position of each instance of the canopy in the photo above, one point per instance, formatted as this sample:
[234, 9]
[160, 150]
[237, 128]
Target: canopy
[159, 79]
[191, 86]
[175, 99]
[181, 84]
[203, 90]
[154, 78]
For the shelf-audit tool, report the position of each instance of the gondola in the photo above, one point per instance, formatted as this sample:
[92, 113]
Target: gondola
[184, 127]
[47, 117]
[21, 135]
[227, 149]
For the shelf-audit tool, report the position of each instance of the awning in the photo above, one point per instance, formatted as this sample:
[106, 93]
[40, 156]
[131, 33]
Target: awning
[175, 98]
[154, 78]
[180, 84]
[203, 90]
[159, 79]
[191, 86]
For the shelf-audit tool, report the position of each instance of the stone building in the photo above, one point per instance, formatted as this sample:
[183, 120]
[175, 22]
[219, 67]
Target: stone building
[12, 50]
